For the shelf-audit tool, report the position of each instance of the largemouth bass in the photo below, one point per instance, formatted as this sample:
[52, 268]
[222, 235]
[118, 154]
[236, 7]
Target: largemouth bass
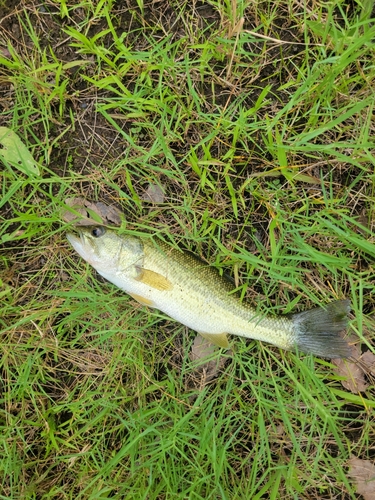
[193, 293]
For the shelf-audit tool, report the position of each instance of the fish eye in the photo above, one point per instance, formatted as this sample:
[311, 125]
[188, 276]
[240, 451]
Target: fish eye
[97, 231]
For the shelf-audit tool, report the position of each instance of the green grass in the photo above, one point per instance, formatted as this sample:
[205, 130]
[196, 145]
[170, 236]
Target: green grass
[256, 118]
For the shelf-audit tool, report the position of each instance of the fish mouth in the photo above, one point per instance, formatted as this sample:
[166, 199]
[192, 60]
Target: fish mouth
[78, 243]
[74, 239]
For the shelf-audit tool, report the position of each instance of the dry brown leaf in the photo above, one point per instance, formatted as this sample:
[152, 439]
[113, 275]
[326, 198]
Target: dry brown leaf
[87, 213]
[201, 352]
[354, 375]
[5, 52]
[201, 349]
[368, 362]
[363, 474]
[154, 193]
[352, 371]
[276, 434]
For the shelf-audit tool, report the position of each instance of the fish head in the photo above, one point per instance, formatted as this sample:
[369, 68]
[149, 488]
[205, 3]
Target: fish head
[104, 248]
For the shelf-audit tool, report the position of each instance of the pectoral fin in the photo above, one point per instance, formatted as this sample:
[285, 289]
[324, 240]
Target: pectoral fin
[142, 300]
[218, 339]
[153, 279]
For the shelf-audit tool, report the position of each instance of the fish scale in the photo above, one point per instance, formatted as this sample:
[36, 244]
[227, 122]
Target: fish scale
[203, 300]
[196, 295]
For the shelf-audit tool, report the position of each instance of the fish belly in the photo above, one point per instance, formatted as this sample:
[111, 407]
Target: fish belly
[198, 313]
[206, 314]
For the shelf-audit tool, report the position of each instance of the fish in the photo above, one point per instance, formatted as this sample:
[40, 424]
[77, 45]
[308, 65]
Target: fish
[195, 294]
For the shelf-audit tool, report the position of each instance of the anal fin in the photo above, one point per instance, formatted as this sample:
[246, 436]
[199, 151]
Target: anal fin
[219, 339]
[142, 300]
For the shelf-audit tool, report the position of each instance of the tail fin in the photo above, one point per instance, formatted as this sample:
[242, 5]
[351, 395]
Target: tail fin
[318, 330]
